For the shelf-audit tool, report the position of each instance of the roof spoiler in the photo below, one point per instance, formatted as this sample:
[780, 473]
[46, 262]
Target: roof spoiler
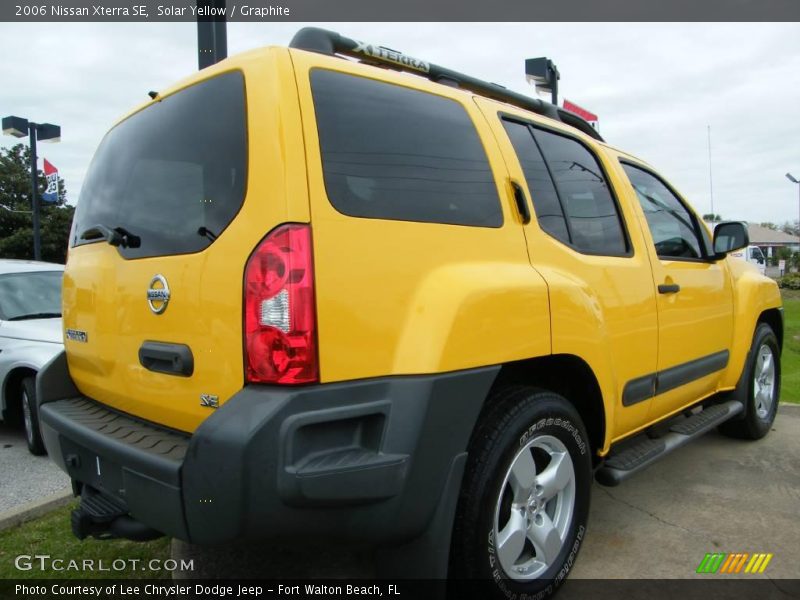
[331, 43]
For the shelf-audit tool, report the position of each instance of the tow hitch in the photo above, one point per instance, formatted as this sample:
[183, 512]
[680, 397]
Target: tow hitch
[103, 518]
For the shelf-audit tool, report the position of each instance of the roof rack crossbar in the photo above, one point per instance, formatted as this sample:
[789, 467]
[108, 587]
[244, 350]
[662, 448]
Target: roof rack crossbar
[328, 42]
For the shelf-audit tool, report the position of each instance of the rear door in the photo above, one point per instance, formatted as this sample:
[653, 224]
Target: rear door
[194, 182]
[580, 238]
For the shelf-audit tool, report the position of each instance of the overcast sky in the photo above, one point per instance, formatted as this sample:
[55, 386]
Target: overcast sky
[656, 88]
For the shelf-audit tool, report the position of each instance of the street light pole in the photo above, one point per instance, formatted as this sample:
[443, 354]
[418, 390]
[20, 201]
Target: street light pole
[791, 178]
[37, 242]
[44, 132]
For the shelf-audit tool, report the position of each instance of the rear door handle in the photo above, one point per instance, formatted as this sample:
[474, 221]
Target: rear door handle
[669, 288]
[522, 204]
[170, 359]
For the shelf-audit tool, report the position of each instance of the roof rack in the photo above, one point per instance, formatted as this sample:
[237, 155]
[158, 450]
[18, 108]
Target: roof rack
[328, 42]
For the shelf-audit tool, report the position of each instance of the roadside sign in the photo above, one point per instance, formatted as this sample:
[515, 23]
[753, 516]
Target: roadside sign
[581, 112]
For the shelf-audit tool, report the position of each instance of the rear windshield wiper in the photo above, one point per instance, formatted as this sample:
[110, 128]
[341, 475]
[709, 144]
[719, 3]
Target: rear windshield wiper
[41, 315]
[119, 236]
[207, 233]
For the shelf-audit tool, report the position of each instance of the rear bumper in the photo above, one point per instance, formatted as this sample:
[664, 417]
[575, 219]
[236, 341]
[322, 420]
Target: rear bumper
[361, 462]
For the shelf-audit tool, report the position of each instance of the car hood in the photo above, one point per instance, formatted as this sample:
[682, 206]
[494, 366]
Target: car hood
[36, 330]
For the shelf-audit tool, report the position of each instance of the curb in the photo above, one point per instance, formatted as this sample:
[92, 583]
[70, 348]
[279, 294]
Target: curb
[34, 509]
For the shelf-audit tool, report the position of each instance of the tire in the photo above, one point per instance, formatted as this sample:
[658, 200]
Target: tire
[762, 385]
[509, 509]
[30, 417]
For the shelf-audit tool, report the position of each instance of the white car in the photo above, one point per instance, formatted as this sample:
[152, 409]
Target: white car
[30, 335]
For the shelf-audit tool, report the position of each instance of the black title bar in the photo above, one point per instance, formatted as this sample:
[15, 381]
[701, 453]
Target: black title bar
[406, 10]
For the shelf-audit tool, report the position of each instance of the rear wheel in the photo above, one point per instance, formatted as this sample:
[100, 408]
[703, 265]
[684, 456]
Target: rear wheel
[30, 417]
[762, 378]
[524, 504]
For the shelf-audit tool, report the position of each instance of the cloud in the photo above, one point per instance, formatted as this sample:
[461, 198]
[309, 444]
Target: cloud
[656, 88]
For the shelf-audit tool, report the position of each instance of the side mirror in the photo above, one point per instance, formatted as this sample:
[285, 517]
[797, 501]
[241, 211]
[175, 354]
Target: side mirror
[730, 236]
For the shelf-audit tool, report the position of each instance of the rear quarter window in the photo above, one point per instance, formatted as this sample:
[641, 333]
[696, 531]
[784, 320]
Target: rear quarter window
[390, 152]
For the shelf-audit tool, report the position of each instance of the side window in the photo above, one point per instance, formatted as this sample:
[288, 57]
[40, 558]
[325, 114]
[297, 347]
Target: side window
[672, 226]
[390, 152]
[543, 193]
[594, 221]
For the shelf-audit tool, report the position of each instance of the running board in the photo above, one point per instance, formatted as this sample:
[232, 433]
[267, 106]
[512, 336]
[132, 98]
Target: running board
[636, 456]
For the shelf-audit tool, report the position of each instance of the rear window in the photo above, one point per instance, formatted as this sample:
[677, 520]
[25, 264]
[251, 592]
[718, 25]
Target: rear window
[390, 152]
[594, 222]
[173, 174]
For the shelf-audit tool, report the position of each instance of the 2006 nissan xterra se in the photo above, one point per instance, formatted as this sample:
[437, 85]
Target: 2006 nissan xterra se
[373, 301]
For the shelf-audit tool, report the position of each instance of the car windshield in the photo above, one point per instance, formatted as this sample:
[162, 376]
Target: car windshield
[32, 295]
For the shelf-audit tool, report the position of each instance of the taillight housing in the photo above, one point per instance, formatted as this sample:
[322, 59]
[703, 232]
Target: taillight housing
[280, 329]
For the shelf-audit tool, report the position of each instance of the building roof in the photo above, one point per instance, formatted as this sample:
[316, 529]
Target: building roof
[769, 237]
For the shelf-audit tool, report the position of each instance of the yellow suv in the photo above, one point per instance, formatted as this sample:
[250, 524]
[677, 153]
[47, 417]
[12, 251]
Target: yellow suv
[376, 302]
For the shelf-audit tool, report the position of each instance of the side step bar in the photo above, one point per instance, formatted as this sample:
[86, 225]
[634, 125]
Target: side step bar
[638, 455]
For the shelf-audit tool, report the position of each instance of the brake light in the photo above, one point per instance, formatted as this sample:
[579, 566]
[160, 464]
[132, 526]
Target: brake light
[280, 321]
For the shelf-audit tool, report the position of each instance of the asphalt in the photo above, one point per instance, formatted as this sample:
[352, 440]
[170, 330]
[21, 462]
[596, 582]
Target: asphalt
[715, 495]
[25, 478]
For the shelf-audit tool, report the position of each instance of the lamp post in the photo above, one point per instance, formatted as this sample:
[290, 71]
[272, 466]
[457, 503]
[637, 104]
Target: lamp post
[44, 132]
[543, 74]
[791, 178]
[212, 37]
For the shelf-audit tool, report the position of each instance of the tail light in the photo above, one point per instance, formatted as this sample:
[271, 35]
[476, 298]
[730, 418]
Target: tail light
[280, 321]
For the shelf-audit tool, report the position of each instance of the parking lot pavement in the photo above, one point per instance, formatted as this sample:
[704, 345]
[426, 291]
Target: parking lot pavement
[715, 495]
[23, 476]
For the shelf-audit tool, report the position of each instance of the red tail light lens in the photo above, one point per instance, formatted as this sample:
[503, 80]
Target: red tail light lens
[280, 322]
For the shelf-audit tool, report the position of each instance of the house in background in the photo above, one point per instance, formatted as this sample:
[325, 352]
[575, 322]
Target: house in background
[769, 240]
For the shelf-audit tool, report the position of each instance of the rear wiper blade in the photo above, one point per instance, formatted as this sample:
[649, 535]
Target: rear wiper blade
[41, 315]
[119, 236]
[207, 233]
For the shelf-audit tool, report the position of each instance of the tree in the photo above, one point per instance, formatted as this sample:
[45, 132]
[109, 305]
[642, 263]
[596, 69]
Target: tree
[769, 225]
[16, 227]
[712, 218]
[790, 227]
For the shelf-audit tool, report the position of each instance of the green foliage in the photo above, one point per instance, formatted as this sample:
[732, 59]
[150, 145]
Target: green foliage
[789, 282]
[51, 535]
[16, 226]
[790, 227]
[781, 254]
[790, 357]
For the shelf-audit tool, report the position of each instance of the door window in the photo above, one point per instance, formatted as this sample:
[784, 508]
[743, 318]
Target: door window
[673, 227]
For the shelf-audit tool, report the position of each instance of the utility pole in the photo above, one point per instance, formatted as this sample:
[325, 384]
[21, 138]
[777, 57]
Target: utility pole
[710, 179]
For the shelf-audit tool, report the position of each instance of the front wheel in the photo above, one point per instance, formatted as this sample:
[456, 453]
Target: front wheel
[30, 417]
[762, 378]
[524, 504]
